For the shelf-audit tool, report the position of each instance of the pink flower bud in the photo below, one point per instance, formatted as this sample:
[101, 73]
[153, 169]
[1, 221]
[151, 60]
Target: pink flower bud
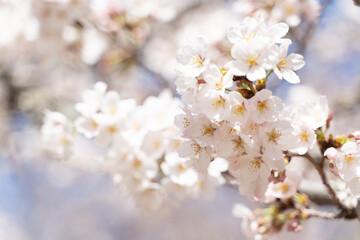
[355, 134]
[333, 169]
[294, 225]
[331, 153]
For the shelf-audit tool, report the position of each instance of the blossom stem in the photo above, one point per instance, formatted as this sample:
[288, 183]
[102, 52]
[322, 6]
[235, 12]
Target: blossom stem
[267, 76]
[322, 161]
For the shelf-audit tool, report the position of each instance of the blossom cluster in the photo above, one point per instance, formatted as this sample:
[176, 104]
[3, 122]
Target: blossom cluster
[248, 127]
[345, 162]
[138, 146]
[262, 223]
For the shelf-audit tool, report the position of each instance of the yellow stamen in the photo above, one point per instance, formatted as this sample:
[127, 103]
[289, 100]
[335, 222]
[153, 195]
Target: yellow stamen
[196, 148]
[239, 110]
[284, 187]
[283, 62]
[112, 129]
[218, 102]
[274, 135]
[249, 36]
[289, 9]
[181, 168]
[253, 127]
[196, 60]
[207, 131]
[238, 145]
[255, 164]
[224, 71]
[233, 132]
[349, 159]
[186, 122]
[177, 144]
[304, 137]
[262, 106]
[251, 60]
[113, 110]
[156, 144]
[95, 124]
[64, 140]
[219, 84]
[137, 163]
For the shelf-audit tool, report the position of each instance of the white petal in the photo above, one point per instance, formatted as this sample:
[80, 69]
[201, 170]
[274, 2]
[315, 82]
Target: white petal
[290, 76]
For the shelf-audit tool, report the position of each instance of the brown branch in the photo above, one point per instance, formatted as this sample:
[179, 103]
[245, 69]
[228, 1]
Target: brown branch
[322, 161]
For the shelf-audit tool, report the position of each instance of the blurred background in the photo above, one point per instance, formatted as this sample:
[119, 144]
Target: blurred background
[52, 50]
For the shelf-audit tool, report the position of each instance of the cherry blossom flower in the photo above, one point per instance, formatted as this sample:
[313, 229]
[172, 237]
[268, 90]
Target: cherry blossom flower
[265, 107]
[200, 156]
[348, 161]
[251, 59]
[217, 79]
[285, 189]
[239, 108]
[193, 59]
[57, 134]
[286, 65]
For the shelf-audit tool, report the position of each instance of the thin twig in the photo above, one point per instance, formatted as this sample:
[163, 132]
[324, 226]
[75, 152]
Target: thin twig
[326, 215]
[322, 161]
[344, 214]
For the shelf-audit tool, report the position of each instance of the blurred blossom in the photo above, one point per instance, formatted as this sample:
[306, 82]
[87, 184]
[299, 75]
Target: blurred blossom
[289, 11]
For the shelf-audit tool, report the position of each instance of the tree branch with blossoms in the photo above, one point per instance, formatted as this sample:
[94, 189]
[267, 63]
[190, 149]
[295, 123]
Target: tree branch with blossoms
[228, 128]
[231, 113]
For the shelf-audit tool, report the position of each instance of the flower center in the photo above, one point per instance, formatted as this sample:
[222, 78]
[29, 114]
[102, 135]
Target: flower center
[219, 84]
[64, 140]
[156, 144]
[137, 163]
[239, 110]
[249, 36]
[181, 168]
[304, 136]
[253, 127]
[196, 148]
[233, 132]
[284, 187]
[238, 145]
[289, 9]
[197, 60]
[349, 159]
[186, 122]
[262, 106]
[113, 110]
[224, 71]
[112, 129]
[274, 135]
[252, 60]
[95, 124]
[255, 164]
[207, 131]
[283, 62]
[218, 102]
